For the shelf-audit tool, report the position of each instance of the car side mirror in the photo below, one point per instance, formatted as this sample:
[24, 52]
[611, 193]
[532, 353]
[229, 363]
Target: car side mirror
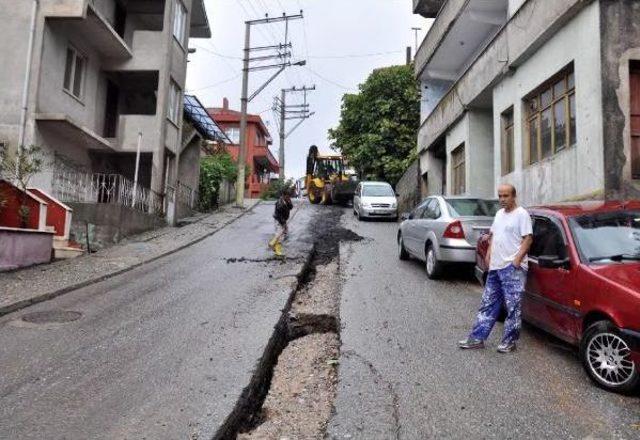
[397, 195]
[553, 262]
[405, 216]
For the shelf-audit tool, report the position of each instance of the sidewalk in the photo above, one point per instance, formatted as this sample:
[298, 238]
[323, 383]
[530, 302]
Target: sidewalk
[28, 286]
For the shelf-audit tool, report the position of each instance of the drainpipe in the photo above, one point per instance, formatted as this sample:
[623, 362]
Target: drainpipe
[25, 89]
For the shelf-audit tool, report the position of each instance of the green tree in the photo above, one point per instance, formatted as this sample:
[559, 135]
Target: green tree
[19, 168]
[213, 170]
[379, 124]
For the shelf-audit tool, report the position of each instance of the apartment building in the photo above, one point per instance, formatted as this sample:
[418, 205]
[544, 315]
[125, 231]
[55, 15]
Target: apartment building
[100, 73]
[541, 94]
[263, 166]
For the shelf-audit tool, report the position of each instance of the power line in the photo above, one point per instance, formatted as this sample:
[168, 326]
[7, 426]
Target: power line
[329, 80]
[215, 84]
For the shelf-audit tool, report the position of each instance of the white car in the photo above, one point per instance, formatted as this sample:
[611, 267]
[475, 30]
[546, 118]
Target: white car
[375, 200]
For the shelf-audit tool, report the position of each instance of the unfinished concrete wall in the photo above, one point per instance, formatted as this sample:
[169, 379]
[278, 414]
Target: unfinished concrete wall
[14, 22]
[620, 44]
[474, 130]
[105, 224]
[409, 188]
[576, 172]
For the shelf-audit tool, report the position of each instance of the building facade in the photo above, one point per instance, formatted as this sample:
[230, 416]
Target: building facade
[100, 73]
[543, 95]
[263, 166]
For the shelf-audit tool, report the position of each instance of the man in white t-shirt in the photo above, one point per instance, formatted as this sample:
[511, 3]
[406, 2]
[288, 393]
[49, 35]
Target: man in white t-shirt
[511, 238]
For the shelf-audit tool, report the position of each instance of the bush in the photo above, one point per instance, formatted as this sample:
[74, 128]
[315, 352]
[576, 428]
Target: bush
[276, 187]
[213, 170]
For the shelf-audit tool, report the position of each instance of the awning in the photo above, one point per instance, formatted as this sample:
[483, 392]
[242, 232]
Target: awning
[195, 113]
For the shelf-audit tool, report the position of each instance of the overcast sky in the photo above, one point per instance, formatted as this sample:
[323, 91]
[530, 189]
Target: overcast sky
[341, 40]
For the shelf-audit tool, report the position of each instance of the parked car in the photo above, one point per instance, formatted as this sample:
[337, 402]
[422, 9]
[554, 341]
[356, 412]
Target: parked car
[444, 230]
[583, 285]
[375, 200]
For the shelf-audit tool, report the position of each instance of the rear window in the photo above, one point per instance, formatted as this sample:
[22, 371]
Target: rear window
[472, 207]
[377, 191]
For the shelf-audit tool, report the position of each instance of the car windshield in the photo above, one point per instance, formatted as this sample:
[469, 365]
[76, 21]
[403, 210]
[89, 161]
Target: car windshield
[472, 207]
[377, 191]
[608, 236]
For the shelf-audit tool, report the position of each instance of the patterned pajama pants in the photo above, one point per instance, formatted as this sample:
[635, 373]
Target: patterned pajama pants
[503, 286]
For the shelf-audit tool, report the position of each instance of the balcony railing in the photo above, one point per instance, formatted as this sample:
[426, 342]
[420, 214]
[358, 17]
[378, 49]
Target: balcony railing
[71, 186]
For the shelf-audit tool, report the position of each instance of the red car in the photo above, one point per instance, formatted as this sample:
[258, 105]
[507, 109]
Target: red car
[583, 284]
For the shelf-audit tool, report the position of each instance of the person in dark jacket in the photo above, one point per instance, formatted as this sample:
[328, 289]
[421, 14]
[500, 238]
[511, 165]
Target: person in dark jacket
[282, 211]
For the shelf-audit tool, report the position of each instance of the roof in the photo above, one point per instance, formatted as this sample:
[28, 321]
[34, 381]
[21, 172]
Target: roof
[572, 209]
[225, 115]
[195, 113]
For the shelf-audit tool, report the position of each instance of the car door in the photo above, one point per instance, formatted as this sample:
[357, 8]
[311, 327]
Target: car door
[409, 231]
[424, 226]
[550, 292]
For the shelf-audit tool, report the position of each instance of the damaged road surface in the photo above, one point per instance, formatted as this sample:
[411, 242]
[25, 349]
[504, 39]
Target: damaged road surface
[162, 352]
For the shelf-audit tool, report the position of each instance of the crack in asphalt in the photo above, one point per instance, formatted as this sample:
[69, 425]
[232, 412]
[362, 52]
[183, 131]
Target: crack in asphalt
[394, 395]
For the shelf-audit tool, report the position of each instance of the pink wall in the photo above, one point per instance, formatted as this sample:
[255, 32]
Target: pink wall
[21, 248]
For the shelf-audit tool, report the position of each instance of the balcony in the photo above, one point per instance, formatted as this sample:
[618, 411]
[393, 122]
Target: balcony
[128, 128]
[71, 131]
[263, 157]
[85, 20]
[147, 48]
[427, 8]
[461, 31]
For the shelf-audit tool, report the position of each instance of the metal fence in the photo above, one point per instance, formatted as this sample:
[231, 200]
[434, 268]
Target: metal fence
[106, 188]
[187, 196]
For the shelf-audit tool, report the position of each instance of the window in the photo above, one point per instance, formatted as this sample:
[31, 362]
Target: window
[547, 239]
[180, 22]
[74, 72]
[551, 117]
[234, 134]
[458, 170]
[174, 103]
[432, 211]
[419, 210]
[507, 142]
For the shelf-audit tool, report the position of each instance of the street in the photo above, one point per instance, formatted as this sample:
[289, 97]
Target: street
[161, 352]
[402, 375]
[165, 350]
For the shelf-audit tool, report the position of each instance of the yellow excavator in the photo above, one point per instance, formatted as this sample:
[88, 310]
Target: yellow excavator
[327, 181]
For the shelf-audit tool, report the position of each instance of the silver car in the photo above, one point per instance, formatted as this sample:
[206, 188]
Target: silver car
[375, 200]
[443, 230]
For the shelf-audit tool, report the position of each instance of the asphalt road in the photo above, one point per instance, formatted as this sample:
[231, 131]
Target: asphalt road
[161, 352]
[402, 376]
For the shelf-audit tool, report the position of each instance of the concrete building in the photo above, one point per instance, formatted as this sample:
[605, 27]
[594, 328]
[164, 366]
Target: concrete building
[263, 166]
[541, 94]
[100, 72]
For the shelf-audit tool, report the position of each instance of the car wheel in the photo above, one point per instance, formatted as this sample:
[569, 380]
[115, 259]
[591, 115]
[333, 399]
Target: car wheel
[606, 356]
[432, 265]
[402, 252]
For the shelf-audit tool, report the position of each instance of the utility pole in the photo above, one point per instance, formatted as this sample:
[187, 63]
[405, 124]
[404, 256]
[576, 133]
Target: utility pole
[287, 112]
[282, 58]
[415, 32]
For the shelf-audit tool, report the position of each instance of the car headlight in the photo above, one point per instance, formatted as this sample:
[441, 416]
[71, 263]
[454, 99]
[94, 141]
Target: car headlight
[394, 205]
[366, 205]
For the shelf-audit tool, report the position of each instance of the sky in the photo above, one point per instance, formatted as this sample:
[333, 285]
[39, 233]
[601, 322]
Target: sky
[342, 41]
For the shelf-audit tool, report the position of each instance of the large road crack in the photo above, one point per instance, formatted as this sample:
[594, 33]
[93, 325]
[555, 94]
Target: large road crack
[389, 386]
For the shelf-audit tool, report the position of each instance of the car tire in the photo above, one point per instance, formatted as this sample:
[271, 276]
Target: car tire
[600, 350]
[433, 267]
[402, 252]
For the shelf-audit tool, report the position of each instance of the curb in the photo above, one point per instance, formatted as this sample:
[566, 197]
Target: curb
[10, 308]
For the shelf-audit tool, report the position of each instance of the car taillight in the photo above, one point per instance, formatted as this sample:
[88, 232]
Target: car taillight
[454, 230]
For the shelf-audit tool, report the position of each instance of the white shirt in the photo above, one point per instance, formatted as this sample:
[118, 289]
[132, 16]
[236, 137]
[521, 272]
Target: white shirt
[509, 229]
